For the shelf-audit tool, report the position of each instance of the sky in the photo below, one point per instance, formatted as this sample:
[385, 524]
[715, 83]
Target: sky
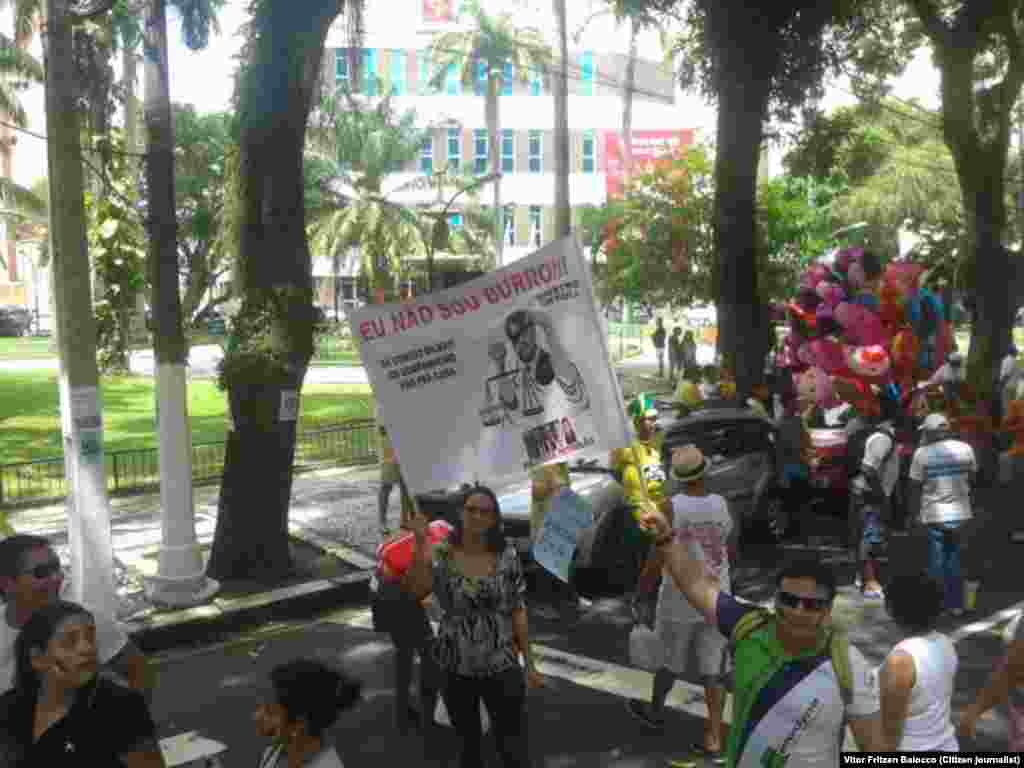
[204, 79]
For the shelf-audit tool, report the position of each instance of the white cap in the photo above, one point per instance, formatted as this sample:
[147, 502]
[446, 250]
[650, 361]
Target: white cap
[934, 422]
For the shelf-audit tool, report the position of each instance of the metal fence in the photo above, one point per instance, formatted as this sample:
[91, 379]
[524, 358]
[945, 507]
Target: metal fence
[41, 481]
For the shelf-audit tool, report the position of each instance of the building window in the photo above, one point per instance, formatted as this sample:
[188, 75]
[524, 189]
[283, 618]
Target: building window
[536, 153]
[398, 73]
[452, 85]
[427, 156]
[454, 148]
[508, 151]
[370, 72]
[588, 152]
[535, 225]
[341, 74]
[587, 73]
[510, 224]
[425, 68]
[536, 81]
[507, 76]
[480, 151]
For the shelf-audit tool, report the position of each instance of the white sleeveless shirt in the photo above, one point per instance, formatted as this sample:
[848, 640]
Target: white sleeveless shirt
[929, 724]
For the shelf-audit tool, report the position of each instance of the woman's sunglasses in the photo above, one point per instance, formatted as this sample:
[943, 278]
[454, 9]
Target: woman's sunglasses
[45, 570]
[789, 600]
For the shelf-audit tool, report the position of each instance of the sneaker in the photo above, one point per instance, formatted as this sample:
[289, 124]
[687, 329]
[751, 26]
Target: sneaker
[642, 712]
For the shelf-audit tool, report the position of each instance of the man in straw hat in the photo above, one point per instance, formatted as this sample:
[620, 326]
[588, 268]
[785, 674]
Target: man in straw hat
[691, 648]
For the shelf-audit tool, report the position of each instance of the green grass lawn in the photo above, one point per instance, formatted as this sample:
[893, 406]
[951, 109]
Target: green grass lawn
[30, 412]
[27, 348]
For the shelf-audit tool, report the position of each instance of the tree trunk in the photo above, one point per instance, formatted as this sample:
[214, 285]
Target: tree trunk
[742, 103]
[493, 120]
[563, 213]
[628, 87]
[275, 273]
[88, 511]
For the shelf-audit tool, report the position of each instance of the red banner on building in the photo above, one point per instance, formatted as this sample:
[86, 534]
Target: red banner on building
[647, 147]
[440, 11]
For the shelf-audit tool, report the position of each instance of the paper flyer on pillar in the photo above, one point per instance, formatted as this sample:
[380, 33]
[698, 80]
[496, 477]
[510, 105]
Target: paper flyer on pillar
[495, 376]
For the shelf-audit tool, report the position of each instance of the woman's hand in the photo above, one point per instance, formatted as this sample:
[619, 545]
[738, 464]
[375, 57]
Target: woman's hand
[534, 679]
[418, 524]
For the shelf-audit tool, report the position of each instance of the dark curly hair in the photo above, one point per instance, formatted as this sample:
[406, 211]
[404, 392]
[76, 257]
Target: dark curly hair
[915, 600]
[313, 692]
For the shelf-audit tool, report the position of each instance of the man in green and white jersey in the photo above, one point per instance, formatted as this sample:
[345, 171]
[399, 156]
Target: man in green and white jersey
[798, 683]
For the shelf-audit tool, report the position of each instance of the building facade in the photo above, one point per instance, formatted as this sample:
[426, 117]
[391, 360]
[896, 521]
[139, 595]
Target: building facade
[397, 59]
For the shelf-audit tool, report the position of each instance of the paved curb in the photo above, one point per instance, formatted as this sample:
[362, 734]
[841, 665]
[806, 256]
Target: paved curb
[206, 623]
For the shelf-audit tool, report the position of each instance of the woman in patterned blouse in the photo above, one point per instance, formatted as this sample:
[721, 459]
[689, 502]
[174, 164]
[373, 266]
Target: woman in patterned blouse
[478, 581]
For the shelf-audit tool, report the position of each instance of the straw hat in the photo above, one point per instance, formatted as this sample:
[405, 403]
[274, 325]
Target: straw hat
[688, 463]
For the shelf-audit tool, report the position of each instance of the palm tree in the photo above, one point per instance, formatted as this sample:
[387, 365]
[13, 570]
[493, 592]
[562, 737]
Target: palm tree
[489, 46]
[350, 154]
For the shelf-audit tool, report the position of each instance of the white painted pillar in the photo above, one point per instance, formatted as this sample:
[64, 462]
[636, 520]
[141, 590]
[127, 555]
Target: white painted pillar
[181, 575]
[88, 510]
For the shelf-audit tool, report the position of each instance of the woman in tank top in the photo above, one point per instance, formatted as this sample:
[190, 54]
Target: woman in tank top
[916, 679]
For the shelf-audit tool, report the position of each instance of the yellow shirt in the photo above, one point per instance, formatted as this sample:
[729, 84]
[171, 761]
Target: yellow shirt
[688, 393]
[546, 481]
[640, 465]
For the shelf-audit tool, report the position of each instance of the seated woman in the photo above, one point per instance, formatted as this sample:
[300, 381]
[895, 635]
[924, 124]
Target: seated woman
[916, 680]
[307, 698]
[60, 712]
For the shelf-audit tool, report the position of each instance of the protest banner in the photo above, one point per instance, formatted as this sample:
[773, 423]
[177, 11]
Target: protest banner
[569, 516]
[498, 375]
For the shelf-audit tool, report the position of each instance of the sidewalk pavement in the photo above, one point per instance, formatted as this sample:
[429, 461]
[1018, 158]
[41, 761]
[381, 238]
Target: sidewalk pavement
[332, 521]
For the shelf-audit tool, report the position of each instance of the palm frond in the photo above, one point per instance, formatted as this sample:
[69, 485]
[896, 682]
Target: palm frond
[23, 201]
[17, 63]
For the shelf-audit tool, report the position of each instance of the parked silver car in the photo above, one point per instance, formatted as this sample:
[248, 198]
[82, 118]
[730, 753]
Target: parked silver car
[739, 445]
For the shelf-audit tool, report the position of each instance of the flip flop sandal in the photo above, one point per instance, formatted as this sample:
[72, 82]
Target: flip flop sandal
[682, 763]
[718, 758]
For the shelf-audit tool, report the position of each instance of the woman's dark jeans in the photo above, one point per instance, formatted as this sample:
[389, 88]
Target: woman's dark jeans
[504, 695]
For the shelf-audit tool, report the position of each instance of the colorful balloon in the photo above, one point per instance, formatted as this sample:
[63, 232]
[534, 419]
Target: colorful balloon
[828, 355]
[869, 361]
[860, 325]
[857, 393]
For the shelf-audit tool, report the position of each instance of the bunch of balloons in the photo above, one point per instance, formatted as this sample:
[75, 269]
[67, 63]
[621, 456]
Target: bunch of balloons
[857, 328]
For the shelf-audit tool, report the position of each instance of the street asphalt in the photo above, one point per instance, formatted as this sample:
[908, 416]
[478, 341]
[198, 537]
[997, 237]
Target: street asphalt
[580, 720]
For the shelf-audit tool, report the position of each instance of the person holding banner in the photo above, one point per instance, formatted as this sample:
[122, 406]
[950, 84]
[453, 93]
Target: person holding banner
[545, 482]
[639, 469]
[478, 581]
[390, 475]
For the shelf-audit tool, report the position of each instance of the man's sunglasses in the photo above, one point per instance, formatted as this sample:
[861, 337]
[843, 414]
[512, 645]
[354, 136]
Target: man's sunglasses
[789, 600]
[45, 570]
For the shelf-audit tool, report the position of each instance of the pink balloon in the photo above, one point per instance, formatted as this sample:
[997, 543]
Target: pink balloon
[870, 362]
[862, 326]
[805, 354]
[815, 275]
[830, 293]
[828, 355]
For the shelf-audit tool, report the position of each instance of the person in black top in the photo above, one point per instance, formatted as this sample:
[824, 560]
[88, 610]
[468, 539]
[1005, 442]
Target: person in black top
[61, 712]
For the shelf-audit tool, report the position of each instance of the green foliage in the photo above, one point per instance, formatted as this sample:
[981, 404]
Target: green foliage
[117, 244]
[352, 151]
[796, 225]
[657, 240]
[201, 158]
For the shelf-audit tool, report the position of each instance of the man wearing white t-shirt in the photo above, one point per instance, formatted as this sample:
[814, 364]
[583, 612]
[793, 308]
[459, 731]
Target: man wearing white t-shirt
[941, 474]
[31, 578]
[871, 501]
[691, 648]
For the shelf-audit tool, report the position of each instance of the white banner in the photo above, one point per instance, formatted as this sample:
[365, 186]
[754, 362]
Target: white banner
[495, 376]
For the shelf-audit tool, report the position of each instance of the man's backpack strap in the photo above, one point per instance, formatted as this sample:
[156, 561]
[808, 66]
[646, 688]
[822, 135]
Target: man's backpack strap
[838, 644]
[839, 650]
